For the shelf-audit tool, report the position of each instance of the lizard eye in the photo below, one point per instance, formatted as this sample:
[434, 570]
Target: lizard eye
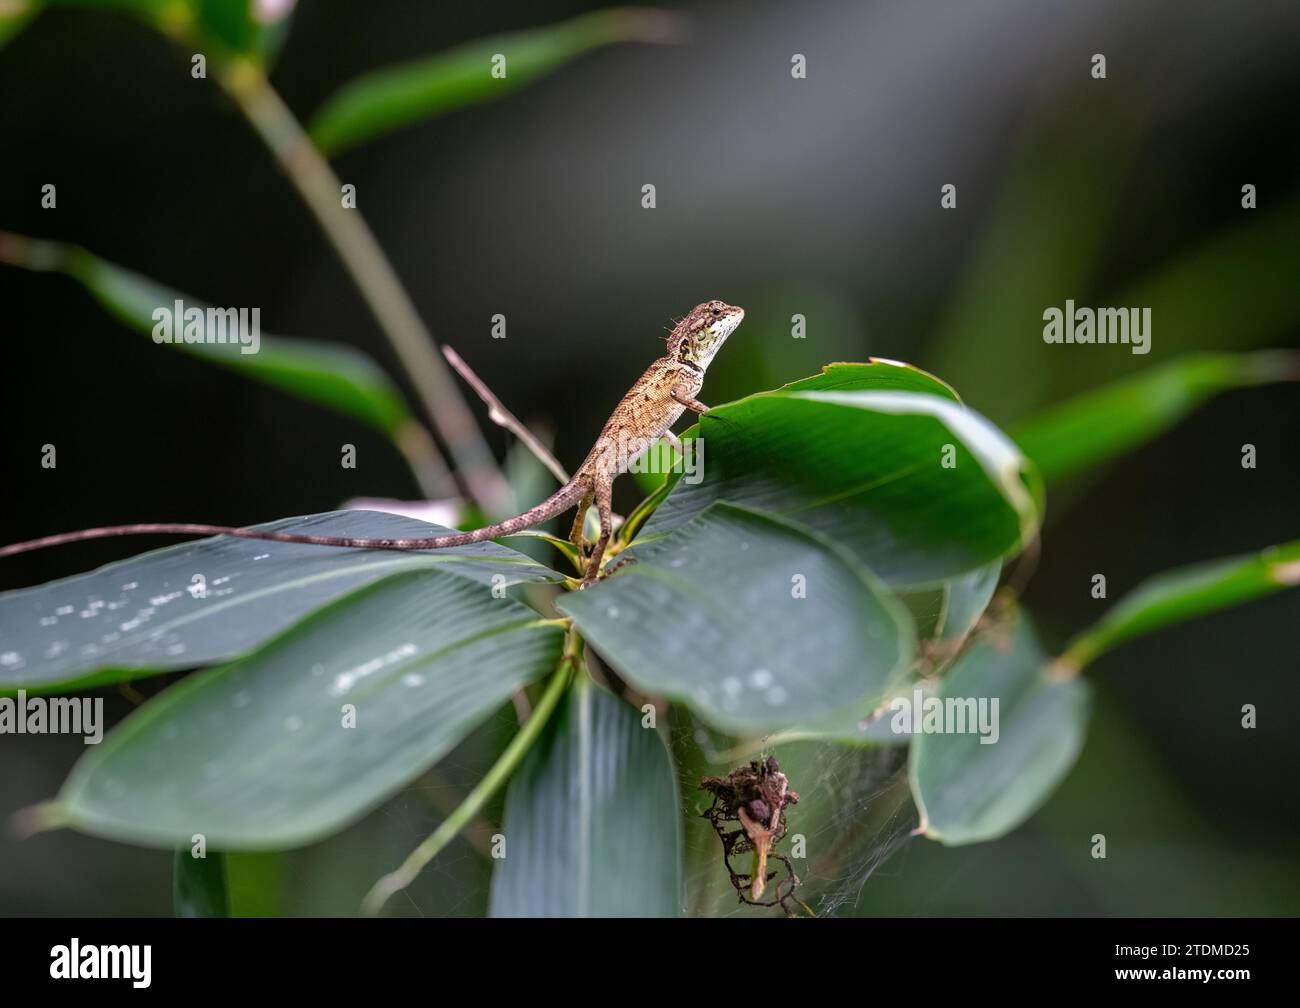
[716, 310]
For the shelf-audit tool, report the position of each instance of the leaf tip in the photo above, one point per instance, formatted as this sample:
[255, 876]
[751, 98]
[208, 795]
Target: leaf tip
[1286, 574]
[1063, 669]
[42, 818]
[649, 24]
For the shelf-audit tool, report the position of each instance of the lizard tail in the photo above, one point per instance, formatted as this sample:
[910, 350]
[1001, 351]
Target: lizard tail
[563, 499]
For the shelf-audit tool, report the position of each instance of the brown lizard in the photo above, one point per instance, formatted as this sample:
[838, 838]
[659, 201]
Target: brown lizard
[666, 390]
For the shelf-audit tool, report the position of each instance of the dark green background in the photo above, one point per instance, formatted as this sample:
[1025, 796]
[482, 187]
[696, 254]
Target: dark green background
[818, 196]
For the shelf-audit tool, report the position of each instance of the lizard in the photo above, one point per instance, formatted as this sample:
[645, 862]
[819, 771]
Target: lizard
[645, 414]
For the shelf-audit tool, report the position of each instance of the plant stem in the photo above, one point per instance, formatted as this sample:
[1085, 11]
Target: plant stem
[501, 416]
[374, 276]
[501, 772]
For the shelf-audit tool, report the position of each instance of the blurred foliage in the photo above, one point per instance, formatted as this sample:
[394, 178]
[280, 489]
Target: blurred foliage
[199, 885]
[1059, 228]
[330, 374]
[1099, 425]
[584, 818]
[388, 99]
[1184, 594]
[233, 26]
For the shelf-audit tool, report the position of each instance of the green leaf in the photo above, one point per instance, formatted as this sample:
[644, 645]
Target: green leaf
[236, 26]
[592, 820]
[727, 611]
[329, 374]
[944, 616]
[199, 885]
[879, 374]
[225, 26]
[258, 755]
[968, 791]
[965, 599]
[948, 611]
[654, 467]
[150, 11]
[148, 615]
[255, 881]
[1101, 424]
[1185, 593]
[396, 96]
[14, 15]
[866, 468]
[926, 607]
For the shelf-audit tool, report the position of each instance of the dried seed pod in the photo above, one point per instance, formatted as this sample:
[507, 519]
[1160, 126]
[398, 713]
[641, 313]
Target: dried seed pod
[753, 797]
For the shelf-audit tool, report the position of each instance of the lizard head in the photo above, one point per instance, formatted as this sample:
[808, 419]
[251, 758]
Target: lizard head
[700, 335]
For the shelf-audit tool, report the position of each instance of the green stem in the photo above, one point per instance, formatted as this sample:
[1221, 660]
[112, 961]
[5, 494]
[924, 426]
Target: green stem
[375, 278]
[501, 772]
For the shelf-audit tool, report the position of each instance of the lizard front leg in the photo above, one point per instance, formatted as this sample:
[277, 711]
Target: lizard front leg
[694, 405]
[604, 491]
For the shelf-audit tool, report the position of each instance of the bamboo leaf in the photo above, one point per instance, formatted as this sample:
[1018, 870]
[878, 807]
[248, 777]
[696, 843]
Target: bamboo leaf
[14, 17]
[316, 727]
[943, 616]
[199, 884]
[878, 374]
[396, 96]
[209, 601]
[592, 820]
[1185, 593]
[971, 786]
[725, 612]
[228, 26]
[965, 599]
[329, 374]
[1097, 426]
[919, 487]
[244, 26]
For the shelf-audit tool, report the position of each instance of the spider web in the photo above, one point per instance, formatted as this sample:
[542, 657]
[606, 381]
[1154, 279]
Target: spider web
[854, 813]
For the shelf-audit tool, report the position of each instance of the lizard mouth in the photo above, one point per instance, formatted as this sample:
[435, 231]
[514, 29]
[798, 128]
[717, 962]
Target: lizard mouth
[729, 323]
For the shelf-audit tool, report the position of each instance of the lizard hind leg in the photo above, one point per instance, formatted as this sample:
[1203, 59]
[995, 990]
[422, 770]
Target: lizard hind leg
[578, 536]
[604, 492]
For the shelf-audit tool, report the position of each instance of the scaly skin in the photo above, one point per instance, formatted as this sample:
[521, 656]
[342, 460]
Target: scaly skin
[666, 390]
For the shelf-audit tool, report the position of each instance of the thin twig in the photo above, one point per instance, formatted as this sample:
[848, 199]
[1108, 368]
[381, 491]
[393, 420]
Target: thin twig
[501, 416]
[375, 278]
